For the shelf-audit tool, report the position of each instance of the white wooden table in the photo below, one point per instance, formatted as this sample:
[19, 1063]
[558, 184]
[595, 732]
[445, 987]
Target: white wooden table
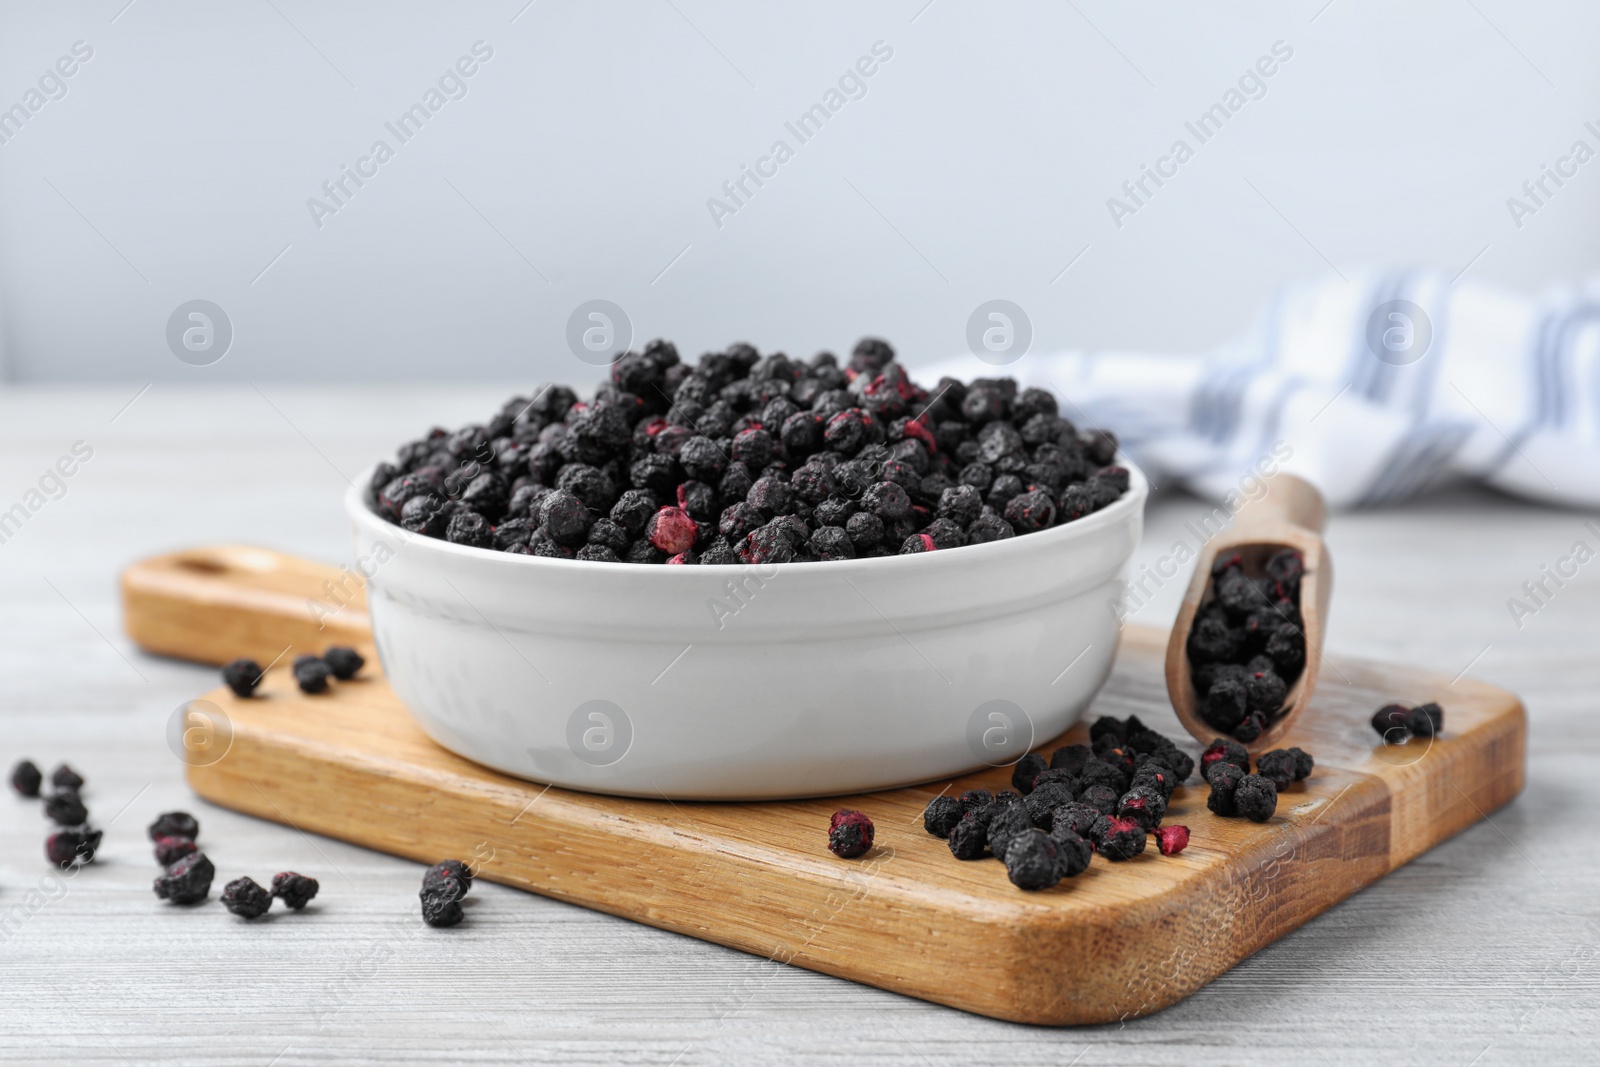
[1484, 951]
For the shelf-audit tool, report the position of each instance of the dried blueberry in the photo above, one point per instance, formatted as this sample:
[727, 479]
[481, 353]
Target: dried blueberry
[172, 848]
[311, 673]
[850, 834]
[1032, 859]
[187, 881]
[246, 899]
[295, 890]
[344, 662]
[26, 779]
[1255, 797]
[941, 815]
[66, 808]
[174, 824]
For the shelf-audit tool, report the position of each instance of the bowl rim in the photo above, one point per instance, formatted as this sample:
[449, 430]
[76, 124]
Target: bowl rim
[1129, 505]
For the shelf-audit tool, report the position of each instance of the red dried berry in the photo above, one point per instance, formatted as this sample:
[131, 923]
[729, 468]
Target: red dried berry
[171, 849]
[1171, 840]
[672, 530]
[918, 428]
[295, 890]
[68, 847]
[1224, 750]
[850, 834]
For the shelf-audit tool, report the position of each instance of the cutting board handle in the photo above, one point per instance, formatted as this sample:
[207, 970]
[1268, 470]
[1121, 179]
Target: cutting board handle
[217, 603]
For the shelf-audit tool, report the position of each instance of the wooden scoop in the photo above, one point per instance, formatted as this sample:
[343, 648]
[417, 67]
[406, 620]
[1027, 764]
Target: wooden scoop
[1291, 514]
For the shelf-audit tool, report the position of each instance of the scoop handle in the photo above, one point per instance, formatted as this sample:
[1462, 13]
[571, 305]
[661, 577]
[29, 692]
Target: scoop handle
[1288, 499]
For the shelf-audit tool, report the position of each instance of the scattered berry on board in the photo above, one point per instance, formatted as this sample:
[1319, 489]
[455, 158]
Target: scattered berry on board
[1246, 647]
[849, 834]
[745, 458]
[311, 673]
[1171, 840]
[242, 676]
[1397, 724]
[343, 662]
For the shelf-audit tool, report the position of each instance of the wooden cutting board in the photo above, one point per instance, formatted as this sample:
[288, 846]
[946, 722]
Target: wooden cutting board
[1119, 941]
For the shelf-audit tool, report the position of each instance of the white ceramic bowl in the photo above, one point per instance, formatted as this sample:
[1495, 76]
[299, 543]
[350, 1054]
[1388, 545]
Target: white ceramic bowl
[749, 682]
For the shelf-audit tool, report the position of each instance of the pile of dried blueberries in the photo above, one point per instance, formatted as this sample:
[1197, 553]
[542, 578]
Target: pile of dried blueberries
[1225, 765]
[75, 842]
[1246, 646]
[745, 458]
[188, 873]
[1108, 797]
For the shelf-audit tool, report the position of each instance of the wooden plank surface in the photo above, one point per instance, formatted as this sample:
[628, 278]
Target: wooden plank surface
[351, 764]
[1482, 950]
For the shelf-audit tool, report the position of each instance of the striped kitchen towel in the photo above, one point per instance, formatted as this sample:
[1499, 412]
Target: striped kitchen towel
[1379, 389]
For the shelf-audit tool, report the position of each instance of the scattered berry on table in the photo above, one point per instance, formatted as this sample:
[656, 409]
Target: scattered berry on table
[174, 847]
[66, 809]
[295, 890]
[188, 881]
[849, 834]
[311, 673]
[77, 845]
[26, 779]
[443, 886]
[1171, 840]
[667, 449]
[448, 869]
[174, 824]
[343, 662]
[242, 676]
[246, 899]
[65, 778]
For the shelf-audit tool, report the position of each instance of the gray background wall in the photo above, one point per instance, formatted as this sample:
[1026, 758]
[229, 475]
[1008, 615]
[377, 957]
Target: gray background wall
[578, 165]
